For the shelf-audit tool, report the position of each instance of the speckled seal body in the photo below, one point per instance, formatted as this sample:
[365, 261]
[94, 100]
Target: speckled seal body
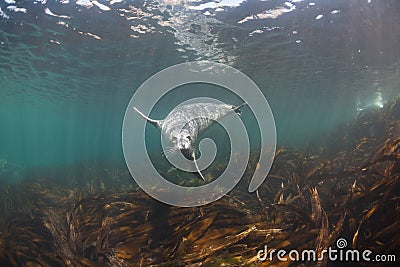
[185, 122]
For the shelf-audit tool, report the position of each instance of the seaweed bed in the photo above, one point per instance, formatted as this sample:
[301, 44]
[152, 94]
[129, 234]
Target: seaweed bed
[93, 216]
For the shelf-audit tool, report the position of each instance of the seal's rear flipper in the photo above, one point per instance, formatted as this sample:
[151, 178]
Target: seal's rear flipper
[237, 108]
[197, 167]
[157, 123]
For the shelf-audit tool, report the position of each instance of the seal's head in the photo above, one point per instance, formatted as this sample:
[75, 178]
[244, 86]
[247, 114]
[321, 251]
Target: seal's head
[184, 142]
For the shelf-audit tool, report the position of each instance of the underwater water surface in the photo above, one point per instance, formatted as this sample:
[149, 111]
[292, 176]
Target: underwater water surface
[330, 71]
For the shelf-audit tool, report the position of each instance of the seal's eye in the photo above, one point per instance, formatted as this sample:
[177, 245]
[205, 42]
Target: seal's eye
[189, 137]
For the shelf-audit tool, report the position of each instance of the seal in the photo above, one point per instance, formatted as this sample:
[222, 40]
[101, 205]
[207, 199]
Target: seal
[185, 123]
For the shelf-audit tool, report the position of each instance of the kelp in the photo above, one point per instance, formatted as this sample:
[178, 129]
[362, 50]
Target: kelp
[94, 216]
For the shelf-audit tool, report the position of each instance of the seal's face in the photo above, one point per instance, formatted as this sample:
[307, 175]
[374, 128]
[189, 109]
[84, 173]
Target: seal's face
[184, 142]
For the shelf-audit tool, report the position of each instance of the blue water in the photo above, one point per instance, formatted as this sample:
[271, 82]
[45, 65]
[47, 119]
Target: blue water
[69, 69]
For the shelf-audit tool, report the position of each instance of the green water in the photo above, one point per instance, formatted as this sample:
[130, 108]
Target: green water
[63, 93]
[56, 133]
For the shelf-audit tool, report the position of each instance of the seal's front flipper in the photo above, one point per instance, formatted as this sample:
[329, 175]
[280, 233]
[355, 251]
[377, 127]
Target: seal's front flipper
[157, 123]
[197, 167]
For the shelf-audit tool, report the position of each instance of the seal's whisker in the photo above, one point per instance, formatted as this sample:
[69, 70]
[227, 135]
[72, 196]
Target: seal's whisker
[169, 148]
[164, 153]
[168, 151]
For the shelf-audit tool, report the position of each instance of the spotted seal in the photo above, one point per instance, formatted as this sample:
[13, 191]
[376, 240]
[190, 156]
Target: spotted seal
[184, 123]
